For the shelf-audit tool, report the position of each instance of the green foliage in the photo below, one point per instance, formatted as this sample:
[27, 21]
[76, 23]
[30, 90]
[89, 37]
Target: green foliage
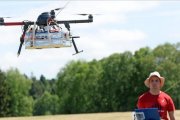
[77, 86]
[42, 85]
[20, 103]
[47, 104]
[116, 76]
[37, 89]
[4, 96]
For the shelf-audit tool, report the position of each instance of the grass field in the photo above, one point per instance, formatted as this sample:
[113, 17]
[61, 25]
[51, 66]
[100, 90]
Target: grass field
[93, 116]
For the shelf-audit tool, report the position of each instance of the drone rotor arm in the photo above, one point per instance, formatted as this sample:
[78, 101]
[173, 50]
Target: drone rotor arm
[90, 19]
[74, 21]
[15, 23]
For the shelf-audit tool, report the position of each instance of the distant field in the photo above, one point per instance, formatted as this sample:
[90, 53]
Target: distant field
[93, 116]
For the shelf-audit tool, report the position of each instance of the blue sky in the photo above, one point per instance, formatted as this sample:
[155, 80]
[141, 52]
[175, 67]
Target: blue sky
[122, 26]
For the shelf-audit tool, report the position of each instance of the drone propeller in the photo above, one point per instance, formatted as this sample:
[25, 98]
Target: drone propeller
[5, 17]
[84, 14]
[59, 8]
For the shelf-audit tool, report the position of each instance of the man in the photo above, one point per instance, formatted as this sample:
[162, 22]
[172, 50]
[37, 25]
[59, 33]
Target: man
[155, 98]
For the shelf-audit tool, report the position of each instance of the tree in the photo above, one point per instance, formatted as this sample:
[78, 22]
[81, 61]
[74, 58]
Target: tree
[47, 104]
[40, 86]
[114, 85]
[4, 96]
[77, 86]
[21, 103]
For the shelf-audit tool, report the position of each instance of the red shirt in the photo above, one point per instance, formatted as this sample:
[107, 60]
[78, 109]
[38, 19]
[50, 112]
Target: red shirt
[162, 101]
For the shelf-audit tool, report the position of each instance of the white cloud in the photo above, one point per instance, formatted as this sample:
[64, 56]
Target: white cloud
[106, 42]
[123, 35]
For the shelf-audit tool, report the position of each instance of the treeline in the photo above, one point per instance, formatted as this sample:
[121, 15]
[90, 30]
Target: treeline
[110, 84]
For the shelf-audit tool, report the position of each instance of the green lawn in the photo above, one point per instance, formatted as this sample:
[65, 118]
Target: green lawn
[93, 116]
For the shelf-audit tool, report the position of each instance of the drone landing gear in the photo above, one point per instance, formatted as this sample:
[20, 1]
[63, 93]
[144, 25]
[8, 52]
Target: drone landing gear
[77, 51]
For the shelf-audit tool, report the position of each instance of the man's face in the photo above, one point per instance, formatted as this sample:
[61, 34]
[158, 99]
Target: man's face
[154, 83]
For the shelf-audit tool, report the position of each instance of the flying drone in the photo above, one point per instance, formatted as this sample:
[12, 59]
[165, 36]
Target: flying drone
[46, 32]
